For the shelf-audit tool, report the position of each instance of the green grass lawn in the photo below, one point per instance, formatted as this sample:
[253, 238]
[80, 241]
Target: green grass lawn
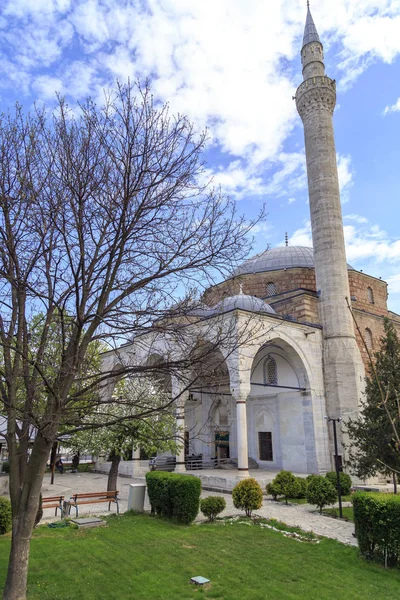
[145, 558]
[347, 512]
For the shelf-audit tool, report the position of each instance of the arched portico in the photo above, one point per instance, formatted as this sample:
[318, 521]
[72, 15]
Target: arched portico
[280, 413]
[277, 382]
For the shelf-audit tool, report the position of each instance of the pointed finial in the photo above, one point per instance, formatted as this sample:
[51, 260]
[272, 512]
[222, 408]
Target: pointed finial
[286, 240]
[310, 31]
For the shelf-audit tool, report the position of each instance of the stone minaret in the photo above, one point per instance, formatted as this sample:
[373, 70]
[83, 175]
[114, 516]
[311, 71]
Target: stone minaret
[315, 101]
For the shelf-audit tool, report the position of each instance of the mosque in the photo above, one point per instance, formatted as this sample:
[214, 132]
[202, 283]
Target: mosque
[302, 358]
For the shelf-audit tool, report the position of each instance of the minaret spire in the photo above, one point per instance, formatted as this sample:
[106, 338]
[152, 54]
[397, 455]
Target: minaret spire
[315, 101]
[310, 31]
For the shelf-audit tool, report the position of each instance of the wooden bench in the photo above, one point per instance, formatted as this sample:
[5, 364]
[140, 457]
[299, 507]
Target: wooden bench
[53, 502]
[92, 498]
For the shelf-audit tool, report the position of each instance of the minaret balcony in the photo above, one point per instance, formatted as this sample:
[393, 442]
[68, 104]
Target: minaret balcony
[319, 90]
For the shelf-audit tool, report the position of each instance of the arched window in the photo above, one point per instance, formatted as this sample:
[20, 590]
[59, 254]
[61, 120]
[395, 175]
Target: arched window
[270, 371]
[370, 293]
[271, 289]
[368, 339]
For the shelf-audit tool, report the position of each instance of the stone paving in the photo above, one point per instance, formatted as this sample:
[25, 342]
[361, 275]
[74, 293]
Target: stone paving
[299, 515]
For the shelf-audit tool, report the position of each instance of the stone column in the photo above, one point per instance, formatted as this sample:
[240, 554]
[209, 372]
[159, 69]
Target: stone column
[242, 445]
[180, 438]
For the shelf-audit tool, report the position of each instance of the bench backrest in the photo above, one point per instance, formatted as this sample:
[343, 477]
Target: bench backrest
[111, 494]
[52, 499]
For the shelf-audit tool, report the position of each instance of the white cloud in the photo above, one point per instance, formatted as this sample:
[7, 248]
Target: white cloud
[291, 200]
[345, 175]
[393, 108]
[357, 218]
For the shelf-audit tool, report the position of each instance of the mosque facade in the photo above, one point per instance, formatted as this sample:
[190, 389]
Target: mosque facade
[300, 358]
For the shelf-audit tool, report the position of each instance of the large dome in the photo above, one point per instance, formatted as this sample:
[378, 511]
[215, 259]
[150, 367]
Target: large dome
[284, 257]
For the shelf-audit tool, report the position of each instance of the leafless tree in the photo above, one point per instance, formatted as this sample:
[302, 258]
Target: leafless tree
[104, 222]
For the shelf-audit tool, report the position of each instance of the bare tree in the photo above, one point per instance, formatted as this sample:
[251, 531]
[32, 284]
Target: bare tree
[104, 222]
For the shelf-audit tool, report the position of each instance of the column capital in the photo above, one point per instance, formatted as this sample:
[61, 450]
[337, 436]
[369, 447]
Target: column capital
[240, 397]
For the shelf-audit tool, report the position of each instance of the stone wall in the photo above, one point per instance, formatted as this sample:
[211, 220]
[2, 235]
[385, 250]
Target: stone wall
[359, 284]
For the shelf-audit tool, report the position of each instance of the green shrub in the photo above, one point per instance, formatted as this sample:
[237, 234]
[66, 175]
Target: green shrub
[286, 484]
[212, 506]
[6, 467]
[247, 495]
[302, 483]
[377, 522]
[5, 515]
[174, 496]
[345, 482]
[185, 493]
[321, 492]
[273, 490]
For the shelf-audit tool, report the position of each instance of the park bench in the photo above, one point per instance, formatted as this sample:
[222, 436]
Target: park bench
[91, 498]
[53, 502]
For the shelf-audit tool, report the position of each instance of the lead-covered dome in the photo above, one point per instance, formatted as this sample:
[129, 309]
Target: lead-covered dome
[284, 257]
[243, 302]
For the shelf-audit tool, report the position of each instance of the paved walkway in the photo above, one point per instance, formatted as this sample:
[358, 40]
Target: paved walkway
[299, 515]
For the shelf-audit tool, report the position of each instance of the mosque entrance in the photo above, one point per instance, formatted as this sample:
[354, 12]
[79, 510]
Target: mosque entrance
[222, 445]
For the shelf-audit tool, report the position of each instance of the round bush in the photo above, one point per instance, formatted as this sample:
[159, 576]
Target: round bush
[321, 492]
[345, 482]
[286, 484]
[247, 495]
[6, 467]
[302, 483]
[212, 506]
[273, 490]
[5, 515]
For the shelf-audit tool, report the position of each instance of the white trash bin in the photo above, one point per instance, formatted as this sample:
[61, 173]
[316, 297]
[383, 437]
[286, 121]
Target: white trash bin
[136, 497]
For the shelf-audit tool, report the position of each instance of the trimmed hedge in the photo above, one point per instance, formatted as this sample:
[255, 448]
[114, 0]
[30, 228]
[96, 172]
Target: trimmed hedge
[5, 515]
[377, 521]
[212, 506]
[174, 496]
[247, 495]
[345, 482]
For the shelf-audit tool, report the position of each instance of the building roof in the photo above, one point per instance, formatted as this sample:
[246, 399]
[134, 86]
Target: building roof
[284, 257]
[310, 31]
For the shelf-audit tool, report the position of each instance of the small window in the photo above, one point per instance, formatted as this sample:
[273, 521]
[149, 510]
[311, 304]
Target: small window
[271, 289]
[368, 339]
[265, 445]
[270, 371]
[370, 293]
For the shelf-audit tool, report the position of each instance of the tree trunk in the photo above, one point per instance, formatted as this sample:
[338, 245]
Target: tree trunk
[53, 460]
[394, 483]
[25, 503]
[113, 473]
[15, 588]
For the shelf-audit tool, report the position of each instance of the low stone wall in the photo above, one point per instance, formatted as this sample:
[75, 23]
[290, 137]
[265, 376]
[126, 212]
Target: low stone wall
[127, 468]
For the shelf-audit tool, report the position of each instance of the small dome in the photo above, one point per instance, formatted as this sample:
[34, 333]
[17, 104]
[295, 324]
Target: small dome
[201, 310]
[284, 257]
[244, 302]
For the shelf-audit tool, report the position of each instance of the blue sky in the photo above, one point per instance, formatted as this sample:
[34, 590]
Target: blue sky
[234, 65]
